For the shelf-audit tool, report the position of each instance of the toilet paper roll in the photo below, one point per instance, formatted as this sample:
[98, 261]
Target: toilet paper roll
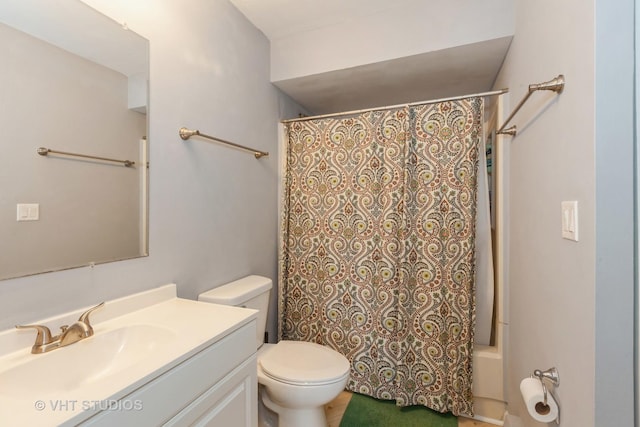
[533, 396]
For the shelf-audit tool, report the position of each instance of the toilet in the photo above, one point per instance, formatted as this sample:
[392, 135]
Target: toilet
[296, 378]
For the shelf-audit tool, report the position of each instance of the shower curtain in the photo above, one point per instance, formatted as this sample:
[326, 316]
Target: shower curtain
[377, 258]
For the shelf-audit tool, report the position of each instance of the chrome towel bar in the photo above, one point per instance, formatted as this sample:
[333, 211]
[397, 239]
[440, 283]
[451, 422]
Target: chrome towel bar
[555, 85]
[46, 151]
[188, 133]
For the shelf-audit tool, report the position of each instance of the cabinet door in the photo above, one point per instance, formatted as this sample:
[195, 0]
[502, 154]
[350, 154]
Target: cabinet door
[233, 402]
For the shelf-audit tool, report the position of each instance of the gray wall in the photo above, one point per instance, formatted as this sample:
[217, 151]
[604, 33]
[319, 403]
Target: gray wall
[213, 210]
[392, 32]
[61, 101]
[571, 303]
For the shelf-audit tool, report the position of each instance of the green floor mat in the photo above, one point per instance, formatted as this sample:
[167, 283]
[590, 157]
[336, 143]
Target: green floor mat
[365, 411]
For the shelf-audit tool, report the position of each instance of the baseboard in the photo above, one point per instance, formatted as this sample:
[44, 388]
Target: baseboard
[512, 420]
[488, 420]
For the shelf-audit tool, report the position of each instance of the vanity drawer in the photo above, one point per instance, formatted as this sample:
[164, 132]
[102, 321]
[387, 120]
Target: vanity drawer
[156, 402]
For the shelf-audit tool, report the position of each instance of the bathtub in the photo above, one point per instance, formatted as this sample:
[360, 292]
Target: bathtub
[488, 385]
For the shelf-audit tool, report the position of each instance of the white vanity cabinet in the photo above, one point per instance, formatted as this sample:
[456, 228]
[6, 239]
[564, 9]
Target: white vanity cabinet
[215, 387]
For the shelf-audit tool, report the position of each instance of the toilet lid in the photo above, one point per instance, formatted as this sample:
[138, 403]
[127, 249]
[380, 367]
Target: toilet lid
[298, 362]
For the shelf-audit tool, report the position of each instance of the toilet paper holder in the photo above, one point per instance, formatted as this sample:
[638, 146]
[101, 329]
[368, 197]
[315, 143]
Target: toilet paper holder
[550, 374]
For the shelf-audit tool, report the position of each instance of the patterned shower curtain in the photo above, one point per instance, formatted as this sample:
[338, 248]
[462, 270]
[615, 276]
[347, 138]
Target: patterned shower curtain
[377, 258]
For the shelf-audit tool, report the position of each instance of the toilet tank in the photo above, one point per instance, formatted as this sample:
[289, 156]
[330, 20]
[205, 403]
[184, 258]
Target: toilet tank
[250, 292]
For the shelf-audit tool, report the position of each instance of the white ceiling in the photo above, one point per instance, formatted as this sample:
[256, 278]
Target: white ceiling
[104, 41]
[460, 70]
[280, 18]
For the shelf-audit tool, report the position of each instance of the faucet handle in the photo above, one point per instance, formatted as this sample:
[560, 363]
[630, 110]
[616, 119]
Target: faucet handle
[84, 317]
[44, 334]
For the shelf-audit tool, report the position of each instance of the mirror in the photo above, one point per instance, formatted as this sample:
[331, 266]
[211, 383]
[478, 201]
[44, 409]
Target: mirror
[73, 81]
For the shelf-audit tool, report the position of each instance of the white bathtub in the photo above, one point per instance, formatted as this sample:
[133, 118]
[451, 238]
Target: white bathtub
[488, 385]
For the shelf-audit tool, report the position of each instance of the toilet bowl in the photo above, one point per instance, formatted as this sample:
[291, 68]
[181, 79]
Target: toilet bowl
[297, 378]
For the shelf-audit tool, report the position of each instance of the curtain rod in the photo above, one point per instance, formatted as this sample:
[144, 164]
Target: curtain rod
[389, 107]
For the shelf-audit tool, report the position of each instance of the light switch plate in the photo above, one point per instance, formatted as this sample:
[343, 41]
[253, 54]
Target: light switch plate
[570, 220]
[28, 212]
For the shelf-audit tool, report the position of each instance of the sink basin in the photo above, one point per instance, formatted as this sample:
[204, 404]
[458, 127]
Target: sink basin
[88, 361]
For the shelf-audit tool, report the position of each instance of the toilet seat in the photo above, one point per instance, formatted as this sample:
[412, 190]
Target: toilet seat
[303, 363]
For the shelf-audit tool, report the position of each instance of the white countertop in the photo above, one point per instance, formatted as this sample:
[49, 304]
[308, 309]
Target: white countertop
[185, 326]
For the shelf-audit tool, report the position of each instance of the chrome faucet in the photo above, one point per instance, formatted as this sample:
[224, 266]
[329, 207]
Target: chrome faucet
[68, 334]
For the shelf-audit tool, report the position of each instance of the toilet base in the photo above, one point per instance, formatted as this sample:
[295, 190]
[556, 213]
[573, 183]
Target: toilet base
[303, 417]
[287, 417]
[266, 417]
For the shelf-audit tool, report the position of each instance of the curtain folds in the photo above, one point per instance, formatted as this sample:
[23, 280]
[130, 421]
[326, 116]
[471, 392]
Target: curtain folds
[378, 247]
